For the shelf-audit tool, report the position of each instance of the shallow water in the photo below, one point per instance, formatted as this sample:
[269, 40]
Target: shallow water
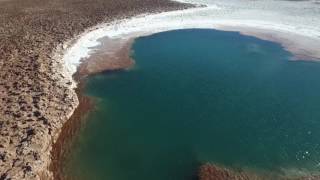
[198, 96]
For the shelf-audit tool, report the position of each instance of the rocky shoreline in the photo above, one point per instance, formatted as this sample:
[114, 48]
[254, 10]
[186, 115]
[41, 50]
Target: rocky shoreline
[37, 93]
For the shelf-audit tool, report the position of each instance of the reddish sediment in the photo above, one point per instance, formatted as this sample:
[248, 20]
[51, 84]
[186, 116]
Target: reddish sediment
[211, 171]
[112, 54]
[63, 146]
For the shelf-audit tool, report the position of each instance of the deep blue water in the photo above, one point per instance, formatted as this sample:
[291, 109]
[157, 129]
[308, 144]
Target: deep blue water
[197, 96]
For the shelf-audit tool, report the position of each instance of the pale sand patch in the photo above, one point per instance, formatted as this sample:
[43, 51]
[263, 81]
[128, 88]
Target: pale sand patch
[302, 47]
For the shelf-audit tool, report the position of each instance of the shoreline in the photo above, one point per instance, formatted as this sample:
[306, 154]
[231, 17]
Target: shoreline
[93, 65]
[61, 148]
[303, 43]
[303, 47]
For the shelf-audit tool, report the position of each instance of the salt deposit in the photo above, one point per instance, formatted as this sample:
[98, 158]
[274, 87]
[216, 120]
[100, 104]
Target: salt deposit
[295, 24]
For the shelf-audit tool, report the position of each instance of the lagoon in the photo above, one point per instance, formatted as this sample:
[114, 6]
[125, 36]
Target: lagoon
[196, 96]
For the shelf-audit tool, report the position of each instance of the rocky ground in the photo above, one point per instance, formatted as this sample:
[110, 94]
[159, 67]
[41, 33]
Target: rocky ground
[36, 98]
[213, 172]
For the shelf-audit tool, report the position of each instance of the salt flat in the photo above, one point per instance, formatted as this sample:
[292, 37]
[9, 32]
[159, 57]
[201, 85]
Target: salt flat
[295, 24]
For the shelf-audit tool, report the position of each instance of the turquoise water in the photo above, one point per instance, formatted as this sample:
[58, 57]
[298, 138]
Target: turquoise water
[197, 96]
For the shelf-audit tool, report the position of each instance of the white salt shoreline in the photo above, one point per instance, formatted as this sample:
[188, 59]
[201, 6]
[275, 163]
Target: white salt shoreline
[303, 42]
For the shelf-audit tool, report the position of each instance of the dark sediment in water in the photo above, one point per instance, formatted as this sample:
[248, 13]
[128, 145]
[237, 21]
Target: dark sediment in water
[211, 171]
